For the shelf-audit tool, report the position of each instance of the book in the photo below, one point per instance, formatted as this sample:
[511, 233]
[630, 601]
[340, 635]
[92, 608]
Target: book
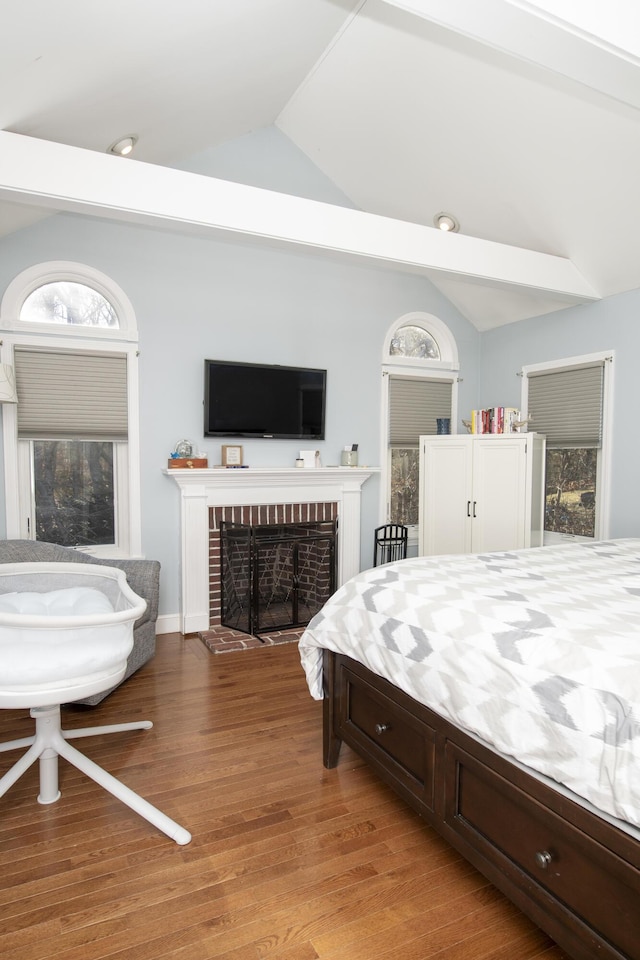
[495, 420]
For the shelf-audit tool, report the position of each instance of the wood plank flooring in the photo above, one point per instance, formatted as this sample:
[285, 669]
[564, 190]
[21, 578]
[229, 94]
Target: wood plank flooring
[288, 861]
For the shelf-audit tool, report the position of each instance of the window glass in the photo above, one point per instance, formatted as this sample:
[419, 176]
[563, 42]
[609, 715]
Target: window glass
[571, 489]
[567, 401]
[74, 492]
[69, 303]
[404, 500]
[413, 341]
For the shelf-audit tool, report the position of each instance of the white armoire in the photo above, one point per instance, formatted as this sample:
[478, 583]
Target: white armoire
[481, 492]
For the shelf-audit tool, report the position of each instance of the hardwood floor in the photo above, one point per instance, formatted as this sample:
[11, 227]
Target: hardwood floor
[288, 861]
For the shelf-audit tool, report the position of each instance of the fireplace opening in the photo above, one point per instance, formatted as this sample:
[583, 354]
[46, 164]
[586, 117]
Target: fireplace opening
[275, 576]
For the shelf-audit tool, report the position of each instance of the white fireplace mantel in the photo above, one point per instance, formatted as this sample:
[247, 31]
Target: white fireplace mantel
[204, 488]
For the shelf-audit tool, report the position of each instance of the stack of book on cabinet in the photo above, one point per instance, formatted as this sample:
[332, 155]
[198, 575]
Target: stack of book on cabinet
[495, 420]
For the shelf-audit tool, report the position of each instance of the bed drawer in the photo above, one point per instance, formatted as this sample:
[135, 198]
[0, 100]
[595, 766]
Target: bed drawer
[400, 746]
[524, 836]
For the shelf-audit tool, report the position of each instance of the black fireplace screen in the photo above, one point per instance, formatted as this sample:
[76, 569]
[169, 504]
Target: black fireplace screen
[275, 576]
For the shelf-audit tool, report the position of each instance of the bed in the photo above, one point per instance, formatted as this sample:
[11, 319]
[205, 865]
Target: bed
[499, 694]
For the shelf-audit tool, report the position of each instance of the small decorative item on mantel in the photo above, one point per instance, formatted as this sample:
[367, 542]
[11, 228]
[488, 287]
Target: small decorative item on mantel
[349, 455]
[311, 458]
[184, 449]
[183, 457]
[232, 455]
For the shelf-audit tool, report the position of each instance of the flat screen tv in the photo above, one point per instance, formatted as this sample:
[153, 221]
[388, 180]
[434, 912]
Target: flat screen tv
[263, 400]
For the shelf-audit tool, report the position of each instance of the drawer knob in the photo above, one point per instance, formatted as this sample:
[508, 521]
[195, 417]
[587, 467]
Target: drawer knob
[543, 859]
[382, 728]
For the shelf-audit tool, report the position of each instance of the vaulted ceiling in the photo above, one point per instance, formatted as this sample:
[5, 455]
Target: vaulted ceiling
[523, 125]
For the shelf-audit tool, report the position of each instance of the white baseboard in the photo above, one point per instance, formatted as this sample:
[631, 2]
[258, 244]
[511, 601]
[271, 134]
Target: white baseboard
[168, 623]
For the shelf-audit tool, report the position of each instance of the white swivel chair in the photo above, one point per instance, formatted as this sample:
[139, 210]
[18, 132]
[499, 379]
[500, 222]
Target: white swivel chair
[66, 631]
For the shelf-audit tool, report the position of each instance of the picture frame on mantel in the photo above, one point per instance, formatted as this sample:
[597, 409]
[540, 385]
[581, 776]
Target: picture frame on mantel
[232, 455]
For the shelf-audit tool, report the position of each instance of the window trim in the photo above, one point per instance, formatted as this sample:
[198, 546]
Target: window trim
[445, 368]
[436, 329]
[55, 270]
[73, 338]
[16, 457]
[603, 478]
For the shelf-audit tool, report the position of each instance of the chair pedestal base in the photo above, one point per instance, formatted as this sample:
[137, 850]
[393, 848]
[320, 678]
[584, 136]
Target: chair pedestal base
[50, 742]
[49, 791]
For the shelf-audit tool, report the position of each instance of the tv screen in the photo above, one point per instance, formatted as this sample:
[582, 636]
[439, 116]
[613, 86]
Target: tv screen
[261, 400]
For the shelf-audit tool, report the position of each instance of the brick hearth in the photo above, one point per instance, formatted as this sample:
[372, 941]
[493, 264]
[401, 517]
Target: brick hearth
[225, 640]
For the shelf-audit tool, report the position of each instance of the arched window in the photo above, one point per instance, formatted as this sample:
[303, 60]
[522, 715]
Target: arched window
[419, 378]
[420, 339]
[412, 340]
[71, 303]
[71, 442]
[73, 298]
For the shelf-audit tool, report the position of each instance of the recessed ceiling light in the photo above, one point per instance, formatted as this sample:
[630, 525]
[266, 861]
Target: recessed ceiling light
[446, 222]
[123, 146]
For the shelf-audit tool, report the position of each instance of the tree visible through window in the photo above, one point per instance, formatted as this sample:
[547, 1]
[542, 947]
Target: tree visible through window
[570, 504]
[68, 302]
[405, 491]
[413, 341]
[73, 490]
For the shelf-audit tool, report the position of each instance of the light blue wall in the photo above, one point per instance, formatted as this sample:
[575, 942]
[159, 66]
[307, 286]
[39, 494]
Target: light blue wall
[197, 298]
[612, 324]
[266, 158]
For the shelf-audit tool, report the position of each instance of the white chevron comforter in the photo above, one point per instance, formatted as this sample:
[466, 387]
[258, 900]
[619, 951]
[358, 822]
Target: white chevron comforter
[535, 651]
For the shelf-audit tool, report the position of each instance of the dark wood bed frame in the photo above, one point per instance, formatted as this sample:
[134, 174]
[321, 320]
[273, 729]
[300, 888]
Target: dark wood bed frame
[573, 873]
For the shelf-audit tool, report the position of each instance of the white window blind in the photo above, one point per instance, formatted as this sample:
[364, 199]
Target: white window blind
[71, 396]
[414, 405]
[566, 406]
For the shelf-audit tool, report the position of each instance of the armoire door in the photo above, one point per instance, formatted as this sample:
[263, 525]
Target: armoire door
[446, 496]
[499, 494]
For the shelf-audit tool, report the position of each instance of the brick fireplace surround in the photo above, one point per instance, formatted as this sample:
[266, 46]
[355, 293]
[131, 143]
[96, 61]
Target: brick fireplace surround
[266, 514]
[202, 491]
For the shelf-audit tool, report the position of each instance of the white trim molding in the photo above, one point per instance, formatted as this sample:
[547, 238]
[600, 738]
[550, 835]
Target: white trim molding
[61, 177]
[606, 359]
[435, 328]
[445, 368]
[129, 460]
[42, 273]
[72, 338]
[202, 489]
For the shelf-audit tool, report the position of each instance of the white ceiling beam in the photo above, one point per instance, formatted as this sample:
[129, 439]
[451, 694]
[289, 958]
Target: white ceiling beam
[531, 34]
[64, 178]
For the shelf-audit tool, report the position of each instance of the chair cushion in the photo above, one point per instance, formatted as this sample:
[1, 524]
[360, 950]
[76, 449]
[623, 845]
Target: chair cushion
[73, 601]
[142, 575]
[65, 636]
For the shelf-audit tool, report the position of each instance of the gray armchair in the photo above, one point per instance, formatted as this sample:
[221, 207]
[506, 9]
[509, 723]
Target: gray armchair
[143, 576]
